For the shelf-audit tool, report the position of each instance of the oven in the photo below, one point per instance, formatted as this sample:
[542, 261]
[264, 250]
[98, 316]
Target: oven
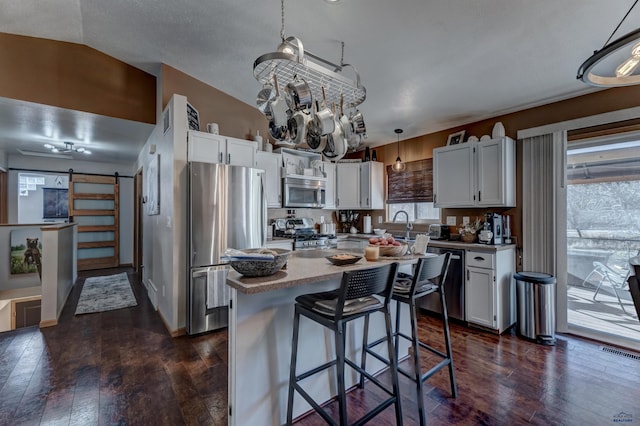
[303, 234]
[303, 192]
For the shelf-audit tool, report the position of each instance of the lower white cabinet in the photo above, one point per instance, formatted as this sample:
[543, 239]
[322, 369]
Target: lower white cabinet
[490, 289]
[271, 163]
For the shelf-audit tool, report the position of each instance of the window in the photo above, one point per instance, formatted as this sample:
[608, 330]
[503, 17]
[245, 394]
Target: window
[417, 212]
[412, 191]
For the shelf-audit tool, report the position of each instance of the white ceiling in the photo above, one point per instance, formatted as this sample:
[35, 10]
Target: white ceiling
[427, 65]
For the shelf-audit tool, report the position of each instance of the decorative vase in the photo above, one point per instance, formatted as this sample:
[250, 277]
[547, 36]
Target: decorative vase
[374, 156]
[367, 154]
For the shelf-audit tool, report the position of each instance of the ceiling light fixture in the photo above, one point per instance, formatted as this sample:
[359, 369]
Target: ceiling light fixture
[68, 148]
[398, 166]
[616, 63]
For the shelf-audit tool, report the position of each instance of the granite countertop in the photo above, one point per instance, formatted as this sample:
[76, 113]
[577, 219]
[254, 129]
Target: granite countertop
[305, 267]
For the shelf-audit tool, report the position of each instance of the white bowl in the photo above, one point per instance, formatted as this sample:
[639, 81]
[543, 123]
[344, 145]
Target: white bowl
[379, 232]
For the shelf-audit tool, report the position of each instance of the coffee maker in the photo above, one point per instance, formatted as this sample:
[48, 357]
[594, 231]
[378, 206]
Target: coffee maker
[495, 226]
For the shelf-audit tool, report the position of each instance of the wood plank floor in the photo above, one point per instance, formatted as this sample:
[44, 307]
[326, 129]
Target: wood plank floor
[122, 367]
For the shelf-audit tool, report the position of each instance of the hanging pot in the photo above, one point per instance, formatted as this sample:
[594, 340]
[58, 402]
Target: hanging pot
[298, 95]
[324, 117]
[264, 98]
[297, 126]
[345, 124]
[357, 122]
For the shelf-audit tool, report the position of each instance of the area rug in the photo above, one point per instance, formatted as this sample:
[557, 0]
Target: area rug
[106, 293]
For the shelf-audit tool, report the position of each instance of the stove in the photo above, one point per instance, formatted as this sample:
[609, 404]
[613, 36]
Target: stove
[302, 231]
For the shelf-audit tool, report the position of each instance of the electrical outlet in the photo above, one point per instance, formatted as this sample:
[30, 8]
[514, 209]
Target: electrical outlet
[451, 220]
[465, 220]
[379, 219]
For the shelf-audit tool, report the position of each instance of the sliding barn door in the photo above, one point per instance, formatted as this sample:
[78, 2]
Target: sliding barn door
[93, 205]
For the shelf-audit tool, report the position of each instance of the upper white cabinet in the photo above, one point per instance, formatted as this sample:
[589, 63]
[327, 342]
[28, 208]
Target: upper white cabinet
[210, 148]
[475, 174]
[330, 191]
[348, 185]
[372, 185]
[271, 163]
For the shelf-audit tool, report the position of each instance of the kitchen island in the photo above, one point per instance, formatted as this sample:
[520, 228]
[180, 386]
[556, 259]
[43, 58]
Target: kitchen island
[260, 331]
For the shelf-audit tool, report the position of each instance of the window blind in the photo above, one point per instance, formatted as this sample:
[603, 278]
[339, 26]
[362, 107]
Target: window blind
[412, 185]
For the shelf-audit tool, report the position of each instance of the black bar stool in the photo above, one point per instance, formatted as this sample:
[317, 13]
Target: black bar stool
[428, 276]
[361, 293]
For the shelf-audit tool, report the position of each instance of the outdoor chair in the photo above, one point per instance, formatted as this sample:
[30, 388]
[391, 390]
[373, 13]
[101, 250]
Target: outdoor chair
[617, 279]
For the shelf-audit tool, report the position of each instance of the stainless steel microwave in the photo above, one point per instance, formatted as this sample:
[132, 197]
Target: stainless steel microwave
[303, 192]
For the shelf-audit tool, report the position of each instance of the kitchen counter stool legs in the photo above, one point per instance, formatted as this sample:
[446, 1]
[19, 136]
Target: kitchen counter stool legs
[359, 295]
[429, 274]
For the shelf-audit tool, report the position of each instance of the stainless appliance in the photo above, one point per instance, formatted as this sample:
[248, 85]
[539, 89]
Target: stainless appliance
[302, 231]
[495, 226]
[304, 191]
[453, 285]
[438, 231]
[227, 208]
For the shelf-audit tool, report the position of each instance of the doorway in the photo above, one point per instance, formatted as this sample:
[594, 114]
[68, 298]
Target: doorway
[603, 234]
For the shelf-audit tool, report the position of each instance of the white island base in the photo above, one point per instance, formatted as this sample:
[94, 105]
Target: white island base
[260, 333]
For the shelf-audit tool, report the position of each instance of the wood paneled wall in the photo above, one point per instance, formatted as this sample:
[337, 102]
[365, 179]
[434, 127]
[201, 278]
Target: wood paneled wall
[76, 77]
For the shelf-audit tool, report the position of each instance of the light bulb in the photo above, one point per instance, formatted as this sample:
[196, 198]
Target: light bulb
[86, 151]
[398, 166]
[55, 149]
[627, 68]
[48, 146]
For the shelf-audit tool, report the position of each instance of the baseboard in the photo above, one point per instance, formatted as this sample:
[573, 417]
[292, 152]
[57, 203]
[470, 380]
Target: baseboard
[48, 323]
[174, 333]
[182, 331]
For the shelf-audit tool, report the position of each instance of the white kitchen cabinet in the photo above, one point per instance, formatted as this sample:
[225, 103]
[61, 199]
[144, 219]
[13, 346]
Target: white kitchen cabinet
[330, 193]
[490, 289]
[210, 148]
[453, 176]
[271, 163]
[372, 185]
[348, 185]
[475, 174]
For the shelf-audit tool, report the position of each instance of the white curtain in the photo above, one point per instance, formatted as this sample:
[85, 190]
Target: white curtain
[543, 182]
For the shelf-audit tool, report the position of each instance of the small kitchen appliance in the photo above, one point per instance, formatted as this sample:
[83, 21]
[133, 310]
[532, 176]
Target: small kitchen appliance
[302, 231]
[495, 226]
[439, 231]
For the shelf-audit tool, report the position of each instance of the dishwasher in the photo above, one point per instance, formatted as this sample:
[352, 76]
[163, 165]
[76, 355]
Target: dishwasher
[453, 286]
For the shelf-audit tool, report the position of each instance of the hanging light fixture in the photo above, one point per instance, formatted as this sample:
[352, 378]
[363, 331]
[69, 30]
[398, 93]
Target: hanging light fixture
[616, 64]
[398, 166]
[68, 148]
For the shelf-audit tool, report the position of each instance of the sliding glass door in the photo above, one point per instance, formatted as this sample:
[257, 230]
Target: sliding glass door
[603, 234]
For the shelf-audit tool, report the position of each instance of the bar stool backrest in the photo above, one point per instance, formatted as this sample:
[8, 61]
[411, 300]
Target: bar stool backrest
[430, 269]
[367, 282]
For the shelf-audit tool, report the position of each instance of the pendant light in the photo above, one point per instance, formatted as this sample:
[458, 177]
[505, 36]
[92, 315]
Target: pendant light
[398, 166]
[617, 63]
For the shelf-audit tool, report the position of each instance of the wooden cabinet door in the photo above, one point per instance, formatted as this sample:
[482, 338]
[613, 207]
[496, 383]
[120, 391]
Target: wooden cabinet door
[330, 191]
[241, 152]
[348, 185]
[206, 147]
[454, 176]
[272, 164]
[480, 297]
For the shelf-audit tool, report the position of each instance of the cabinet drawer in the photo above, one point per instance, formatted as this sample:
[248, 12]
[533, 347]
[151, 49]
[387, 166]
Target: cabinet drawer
[480, 259]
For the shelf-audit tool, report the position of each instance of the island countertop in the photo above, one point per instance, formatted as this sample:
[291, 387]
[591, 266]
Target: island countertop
[305, 267]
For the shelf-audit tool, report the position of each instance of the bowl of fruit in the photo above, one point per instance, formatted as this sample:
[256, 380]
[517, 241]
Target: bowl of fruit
[388, 246]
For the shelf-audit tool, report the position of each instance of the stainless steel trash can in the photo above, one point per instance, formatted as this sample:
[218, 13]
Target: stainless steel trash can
[536, 306]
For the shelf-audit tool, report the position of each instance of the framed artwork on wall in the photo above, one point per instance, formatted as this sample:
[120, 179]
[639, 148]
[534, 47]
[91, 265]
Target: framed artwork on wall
[456, 138]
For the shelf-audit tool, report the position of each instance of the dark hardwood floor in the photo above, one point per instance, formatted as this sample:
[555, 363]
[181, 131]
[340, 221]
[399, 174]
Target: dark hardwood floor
[123, 367]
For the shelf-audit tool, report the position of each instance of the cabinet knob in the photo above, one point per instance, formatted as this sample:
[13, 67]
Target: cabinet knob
[228, 158]
[220, 156]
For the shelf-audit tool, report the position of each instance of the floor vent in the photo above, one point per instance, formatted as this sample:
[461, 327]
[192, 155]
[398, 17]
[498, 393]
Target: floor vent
[620, 353]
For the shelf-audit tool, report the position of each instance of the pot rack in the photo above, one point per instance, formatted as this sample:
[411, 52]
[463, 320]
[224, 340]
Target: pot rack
[316, 71]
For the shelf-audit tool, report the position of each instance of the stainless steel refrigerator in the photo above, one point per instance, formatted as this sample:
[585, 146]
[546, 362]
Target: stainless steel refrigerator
[227, 208]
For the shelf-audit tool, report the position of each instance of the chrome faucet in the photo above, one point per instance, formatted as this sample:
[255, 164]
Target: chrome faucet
[409, 225]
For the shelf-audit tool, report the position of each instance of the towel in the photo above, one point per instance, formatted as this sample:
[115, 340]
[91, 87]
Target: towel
[217, 288]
